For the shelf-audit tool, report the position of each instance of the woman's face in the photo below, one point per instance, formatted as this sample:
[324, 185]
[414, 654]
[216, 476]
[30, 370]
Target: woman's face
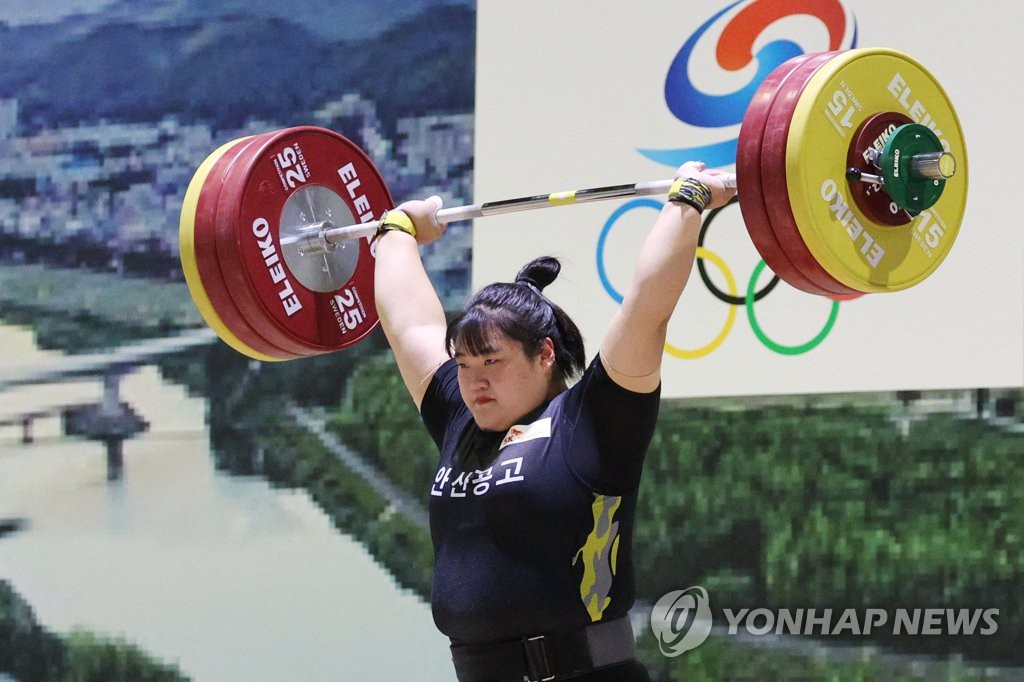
[502, 384]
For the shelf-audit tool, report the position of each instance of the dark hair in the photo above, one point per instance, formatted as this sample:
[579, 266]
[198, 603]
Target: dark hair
[522, 312]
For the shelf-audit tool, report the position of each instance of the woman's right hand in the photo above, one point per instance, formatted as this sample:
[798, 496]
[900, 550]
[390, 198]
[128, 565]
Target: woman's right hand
[423, 214]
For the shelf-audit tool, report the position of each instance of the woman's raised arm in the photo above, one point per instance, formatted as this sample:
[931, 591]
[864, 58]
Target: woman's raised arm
[634, 342]
[409, 308]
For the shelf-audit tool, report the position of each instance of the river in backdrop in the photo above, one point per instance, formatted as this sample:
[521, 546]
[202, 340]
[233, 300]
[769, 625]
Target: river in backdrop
[227, 577]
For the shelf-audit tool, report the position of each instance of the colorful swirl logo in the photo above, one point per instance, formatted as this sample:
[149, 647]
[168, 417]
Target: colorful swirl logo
[741, 34]
[734, 51]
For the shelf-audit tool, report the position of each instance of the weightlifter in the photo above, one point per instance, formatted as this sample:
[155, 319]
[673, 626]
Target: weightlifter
[532, 506]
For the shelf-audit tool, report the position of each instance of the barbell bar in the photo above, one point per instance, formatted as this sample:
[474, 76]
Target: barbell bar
[324, 236]
[843, 167]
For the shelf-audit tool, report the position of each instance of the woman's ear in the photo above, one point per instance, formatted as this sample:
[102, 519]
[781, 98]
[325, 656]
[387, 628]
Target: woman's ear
[547, 352]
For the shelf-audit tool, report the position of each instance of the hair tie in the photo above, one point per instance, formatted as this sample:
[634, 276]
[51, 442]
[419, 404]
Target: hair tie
[528, 281]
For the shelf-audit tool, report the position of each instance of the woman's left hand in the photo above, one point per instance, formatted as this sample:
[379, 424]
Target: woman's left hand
[698, 170]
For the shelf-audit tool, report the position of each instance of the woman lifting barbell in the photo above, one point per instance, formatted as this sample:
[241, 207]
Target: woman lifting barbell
[531, 510]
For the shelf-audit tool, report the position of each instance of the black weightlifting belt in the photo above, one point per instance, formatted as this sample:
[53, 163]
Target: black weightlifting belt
[546, 657]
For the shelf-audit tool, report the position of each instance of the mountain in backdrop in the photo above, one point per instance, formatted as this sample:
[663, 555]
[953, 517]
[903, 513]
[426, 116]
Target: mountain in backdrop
[331, 19]
[139, 60]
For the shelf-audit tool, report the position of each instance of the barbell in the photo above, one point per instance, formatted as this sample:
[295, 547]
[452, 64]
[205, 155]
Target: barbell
[851, 170]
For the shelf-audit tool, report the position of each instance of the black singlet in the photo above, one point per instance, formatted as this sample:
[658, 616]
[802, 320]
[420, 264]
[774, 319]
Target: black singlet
[532, 529]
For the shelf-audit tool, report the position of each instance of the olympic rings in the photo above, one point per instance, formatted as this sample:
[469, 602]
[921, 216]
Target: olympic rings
[684, 354]
[702, 253]
[718, 293]
[731, 298]
[619, 212]
[773, 345]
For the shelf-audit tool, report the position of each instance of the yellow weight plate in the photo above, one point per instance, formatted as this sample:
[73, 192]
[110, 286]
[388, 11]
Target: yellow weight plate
[855, 250]
[189, 265]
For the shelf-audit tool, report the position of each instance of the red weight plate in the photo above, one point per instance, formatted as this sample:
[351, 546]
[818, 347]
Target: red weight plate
[773, 176]
[748, 171]
[210, 268]
[847, 297]
[187, 248]
[251, 322]
[870, 198]
[306, 176]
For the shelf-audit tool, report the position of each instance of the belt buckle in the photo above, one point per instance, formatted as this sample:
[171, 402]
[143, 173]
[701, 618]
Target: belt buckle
[537, 659]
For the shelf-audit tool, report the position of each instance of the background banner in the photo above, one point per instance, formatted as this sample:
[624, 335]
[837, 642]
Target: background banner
[568, 99]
